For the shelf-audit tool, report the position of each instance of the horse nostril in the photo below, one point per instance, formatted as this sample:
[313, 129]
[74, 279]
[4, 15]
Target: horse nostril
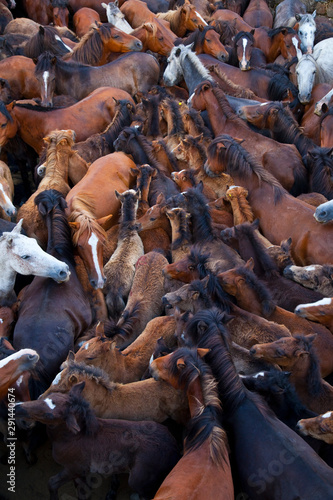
[139, 45]
[63, 274]
[93, 283]
[253, 351]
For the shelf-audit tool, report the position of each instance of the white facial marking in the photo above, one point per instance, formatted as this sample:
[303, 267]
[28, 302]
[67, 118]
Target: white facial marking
[190, 98]
[310, 268]
[295, 42]
[201, 18]
[1, 320]
[327, 414]
[322, 302]
[233, 187]
[243, 61]
[93, 240]
[86, 346]
[46, 76]
[263, 104]
[19, 381]
[57, 37]
[50, 403]
[151, 359]
[7, 199]
[259, 374]
[57, 379]
[16, 355]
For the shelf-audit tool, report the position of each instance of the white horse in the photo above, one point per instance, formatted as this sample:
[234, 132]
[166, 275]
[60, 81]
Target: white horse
[324, 212]
[314, 68]
[20, 254]
[306, 31]
[116, 17]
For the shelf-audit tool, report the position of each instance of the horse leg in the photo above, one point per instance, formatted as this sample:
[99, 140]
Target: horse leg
[56, 481]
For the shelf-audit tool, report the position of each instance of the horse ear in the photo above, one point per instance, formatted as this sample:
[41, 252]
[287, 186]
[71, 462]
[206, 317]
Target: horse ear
[35, 60]
[77, 389]
[298, 17]
[250, 264]
[149, 27]
[117, 194]
[10, 106]
[99, 330]
[160, 199]
[74, 225]
[178, 52]
[317, 54]
[202, 327]
[202, 352]
[253, 31]
[299, 53]
[18, 227]
[255, 224]
[41, 30]
[72, 424]
[104, 222]
[180, 364]
[311, 337]
[314, 13]
[104, 5]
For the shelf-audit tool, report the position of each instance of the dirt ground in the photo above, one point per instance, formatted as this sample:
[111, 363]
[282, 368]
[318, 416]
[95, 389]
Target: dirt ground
[31, 480]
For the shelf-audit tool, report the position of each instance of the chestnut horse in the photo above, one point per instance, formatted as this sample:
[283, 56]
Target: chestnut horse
[7, 209]
[258, 14]
[19, 73]
[184, 18]
[271, 154]
[320, 311]
[154, 37]
[206, 444]
[47, 11]
[207, 41]
[86, 117]
[281, 215]
[91, 202]
[12, 367]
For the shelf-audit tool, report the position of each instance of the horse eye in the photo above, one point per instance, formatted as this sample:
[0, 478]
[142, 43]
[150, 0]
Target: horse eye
[25, 257]
[115, 36]
[3, 125]
[191, 268]
[301, 33]
[161, 39]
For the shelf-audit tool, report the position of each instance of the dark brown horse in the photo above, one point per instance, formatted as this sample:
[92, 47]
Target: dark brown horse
[257, 478]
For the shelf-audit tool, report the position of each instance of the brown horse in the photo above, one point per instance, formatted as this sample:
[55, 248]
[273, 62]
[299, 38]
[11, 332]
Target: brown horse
[184, 18]
[90, 202]
[207, 41]
[320, 311]
[83, 19]
[47, 11]
[147, 450]
[129, 364]
[19, 73]
[12, 367]
[266, 151]
[316, 277]
[253, 296]
[86, 117]
[258, 14]
[319, 427]
[299, 356]
[281, 215]
[155, 37]
[141, 400]
[7, 209]
[101, 41]
[206, 444]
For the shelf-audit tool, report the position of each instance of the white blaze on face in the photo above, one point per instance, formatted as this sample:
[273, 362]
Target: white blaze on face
[327, 414]
[259, 374]
[49, 403]
[57, 379]
[46, 76]
[243, 61]
[93, 240]
[295, 42]
[6, 197]
[63, 43]
[310, 268]
[201, 18]
[16, 355]
[322, 302]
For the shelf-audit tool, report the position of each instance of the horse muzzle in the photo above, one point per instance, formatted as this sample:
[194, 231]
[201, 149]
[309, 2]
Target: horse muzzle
[62, 275]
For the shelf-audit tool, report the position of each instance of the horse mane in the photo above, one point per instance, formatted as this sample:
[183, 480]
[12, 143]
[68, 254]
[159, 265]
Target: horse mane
[262, 292]
[205, 425]
[197, 119]
[86, 416]
[123, 329]
[275, 31]
[83, 209]
[243, 34]
[279, 85]
[226, 31]
[198, 65]
[90, 372]
[34, 107]
[198, 260]
[318, 161]
[4, 111]
[239, 161]
[53, 204]
[196, 205]
[313, 377]
[123, 116]
[90, 48]
[174, 16]
[59, 3]
[171, 157]
[244, 206]
[42, 40]
[177, 121]
[183, 228]
[147, 149]
[231, 87]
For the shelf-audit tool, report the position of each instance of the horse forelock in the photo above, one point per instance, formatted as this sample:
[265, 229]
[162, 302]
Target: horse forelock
[243, 34]
[90, 372]
[275, 31]
[307, 18]
[83, 210]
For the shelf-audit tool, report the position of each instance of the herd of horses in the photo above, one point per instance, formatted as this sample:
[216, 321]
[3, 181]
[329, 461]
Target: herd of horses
[166, 277]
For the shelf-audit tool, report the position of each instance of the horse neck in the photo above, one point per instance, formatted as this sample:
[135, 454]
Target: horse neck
[241, 209]
[299, 373]
[7, 278]
[192, 74]
[273, 49]
[59, 168]
[292, 135]
[195, 397]
[248, 299]
[180, 235]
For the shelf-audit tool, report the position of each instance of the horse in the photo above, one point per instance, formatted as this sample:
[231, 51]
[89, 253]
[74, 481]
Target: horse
[306, 31]
[73, 428]
[253, 296]
[79, 80]
[64, 324]
[314, 68]
[223, 119]
[33, 123]
[12, 367]
[75, 5]
[279, 120]
[310, 240]
[47, 11]
[19, 73]
[155, 38]
[120, 268]
[243, 53]
[83, 19]
[21, 254]
[323, 213]
[91, 205]
[7, 209]
[181, 239]
[326, 129]
[285, 13]
[319, 427]
[184, 18]
[255, 477]
[319, 163]
[129, 364]
[298, 355]
[258, 14]
[206, 41]
[46, 39]
[58, 156]
[205, 444]
[141, 400]
[315, 277]
[319, 311]
[116, 17]
[100, 42]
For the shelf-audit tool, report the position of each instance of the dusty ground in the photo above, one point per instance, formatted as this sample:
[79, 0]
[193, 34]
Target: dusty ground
[31, 480]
